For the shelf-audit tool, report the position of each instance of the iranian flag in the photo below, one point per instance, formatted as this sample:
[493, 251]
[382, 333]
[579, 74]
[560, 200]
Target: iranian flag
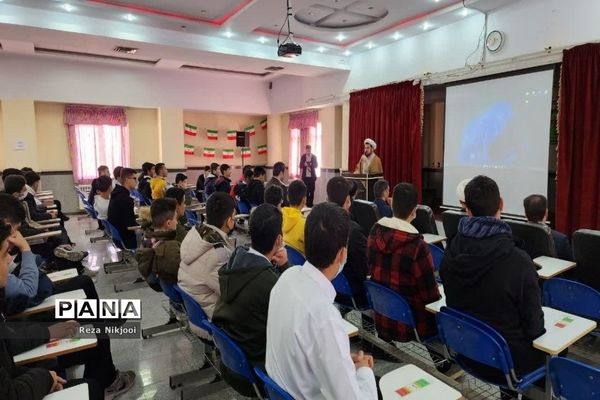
[263, 124]
[227, 154]
[262, 149]
[190, 130]
[188, 149]
[209, 152]
[250, 129]
[246, 152]
[231, 134]
[212, 134]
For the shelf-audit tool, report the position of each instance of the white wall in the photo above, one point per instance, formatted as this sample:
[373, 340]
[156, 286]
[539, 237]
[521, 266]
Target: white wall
[45, 78]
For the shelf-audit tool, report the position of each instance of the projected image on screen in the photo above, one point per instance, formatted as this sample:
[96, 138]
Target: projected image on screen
[499, 128]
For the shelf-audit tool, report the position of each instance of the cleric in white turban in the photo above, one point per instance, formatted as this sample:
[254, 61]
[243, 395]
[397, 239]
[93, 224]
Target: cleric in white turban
[369, 162]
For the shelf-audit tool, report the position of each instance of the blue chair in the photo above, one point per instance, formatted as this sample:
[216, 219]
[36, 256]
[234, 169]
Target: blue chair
[243, 207]
[233, 357]
[194, 311]
[437, 254]
[274, 391]
[572, 297]
[294, 256]
[192, 217]
[342, 288]
[390, 304]
[574, 380]
[115, 235]
[466, 336]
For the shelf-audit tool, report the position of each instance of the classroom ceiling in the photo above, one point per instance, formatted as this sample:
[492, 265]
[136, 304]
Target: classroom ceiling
[225, 34]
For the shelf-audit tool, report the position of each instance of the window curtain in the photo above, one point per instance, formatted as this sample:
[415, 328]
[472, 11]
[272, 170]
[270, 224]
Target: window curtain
[392, 115]
[303, 127]
[578, 172]
[96, 136]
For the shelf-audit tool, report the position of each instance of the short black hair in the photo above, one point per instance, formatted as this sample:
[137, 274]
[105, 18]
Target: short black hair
[31, 177]
[482, 196]
[278, 168]
[10, 209]
[219, 207]
[206, 168]
[158, 167]
[180, 177]
[274, 195]
[247, 168]
[26, 169]
[176, 193]
[162, 210]
[224, 167]
[266, 223]
[5, 231]
[147, 167]
[126, 173]
[338, 190]
[117, 172]
[102, 168]
[103, 183]
[214, 166]
[308, 146]
[379, 187]
[10, 171]
[248, 173]
[404, 200]
[325, 233]
[535, 207]
[14, 184]
[259, 171]
[296, 192]
[353, 189]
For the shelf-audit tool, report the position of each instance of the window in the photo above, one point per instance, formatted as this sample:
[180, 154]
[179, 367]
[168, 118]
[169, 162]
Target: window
[100, 145]
[299, 138]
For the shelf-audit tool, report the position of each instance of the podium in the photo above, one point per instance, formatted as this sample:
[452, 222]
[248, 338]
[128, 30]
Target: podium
[365, 184]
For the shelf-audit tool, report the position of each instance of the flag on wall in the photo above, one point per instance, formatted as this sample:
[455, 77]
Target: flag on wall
[227, 154]
[212, 134]
[209, 152]
[263, 123]
[246, 152]
[250, 129]
[188, 149]
[262, 149]
[231, 134]
[190, 130]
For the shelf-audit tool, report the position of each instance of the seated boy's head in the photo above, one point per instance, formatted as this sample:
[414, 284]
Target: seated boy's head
[248, 173]
[214, 168]
[103, 170]
[181, 180]
[10, 171]
[265, 226]
[33, 179]
[148, 169]
[338, 192]
[164, 214]
[117, 173]
[104, 186]
[404, 201]
[161, 170]
[225, 170]
[220, 210]
[482, 197]
[260, 173]
[15, 186]
[297, 194]
[381, 189]
[274, 196]
[11, 211]
[178, 195]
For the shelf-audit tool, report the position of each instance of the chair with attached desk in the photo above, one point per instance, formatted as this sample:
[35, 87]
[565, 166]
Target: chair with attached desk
[294, 256]
[574, 380]
[537, 238]
[450, 221]
[125, 264]
[343, 289]
[424, 221]
[274, 391]
[365, 213]
[573, 297]
[468, 337]
[192, 217]
[175, 306]
[437, 254]
[586, 249]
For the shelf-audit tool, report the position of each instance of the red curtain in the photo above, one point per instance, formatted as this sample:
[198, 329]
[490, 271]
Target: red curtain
[392, 115]
[578, 174]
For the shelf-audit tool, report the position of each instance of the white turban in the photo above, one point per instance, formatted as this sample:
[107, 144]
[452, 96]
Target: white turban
[371, 142]
[460, 189]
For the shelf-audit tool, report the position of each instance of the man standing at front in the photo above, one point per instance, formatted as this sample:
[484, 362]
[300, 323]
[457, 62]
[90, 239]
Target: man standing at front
[369, 162]
[308, 168]
[308, 351]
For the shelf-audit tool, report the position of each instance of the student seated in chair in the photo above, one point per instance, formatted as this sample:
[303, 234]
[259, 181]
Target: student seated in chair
[178, 195]
[223, 182]
[158, 184]
[536, 210]
[400, 259]
[144, 181]
[102, 198]
[239, 189]
[245, 283]
[102, 171]
[255, 192]
[274, 196]
[277, 180]
[357, 268]
[211, 179]
[17, 186]
[33, 184]
[308, 351]
[293, 219]
[205, 249]
[180, 181]
[487, 276]
[381, 191]
[120, 208]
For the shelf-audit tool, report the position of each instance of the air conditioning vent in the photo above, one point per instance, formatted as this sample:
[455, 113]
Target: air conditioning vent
[43, 50]
[273, 68]
[127, 50]
[227, 71]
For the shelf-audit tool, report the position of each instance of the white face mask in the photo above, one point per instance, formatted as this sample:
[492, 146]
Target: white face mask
[341, 268]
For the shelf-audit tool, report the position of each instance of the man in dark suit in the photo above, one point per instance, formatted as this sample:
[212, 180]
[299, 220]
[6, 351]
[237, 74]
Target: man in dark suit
[120, 209]
[308, 167]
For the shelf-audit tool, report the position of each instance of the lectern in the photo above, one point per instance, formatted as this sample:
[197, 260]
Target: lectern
[365, 184]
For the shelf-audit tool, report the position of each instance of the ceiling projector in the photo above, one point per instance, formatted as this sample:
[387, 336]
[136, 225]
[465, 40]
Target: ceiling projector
[289, 49]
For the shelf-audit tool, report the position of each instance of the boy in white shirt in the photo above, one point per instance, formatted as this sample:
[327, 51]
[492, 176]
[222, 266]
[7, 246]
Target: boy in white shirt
[102, 198]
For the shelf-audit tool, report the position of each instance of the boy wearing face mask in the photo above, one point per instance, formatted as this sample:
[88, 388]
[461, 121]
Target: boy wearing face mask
[205, 249]
[245, 285]
[400, 259]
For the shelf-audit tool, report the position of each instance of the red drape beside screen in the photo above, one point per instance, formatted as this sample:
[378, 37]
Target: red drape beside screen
[392, 115]
[578, 175]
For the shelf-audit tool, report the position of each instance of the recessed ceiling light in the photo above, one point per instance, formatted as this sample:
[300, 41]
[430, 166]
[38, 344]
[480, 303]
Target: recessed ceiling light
[321, 49]
[426, 25]
[347, 53]
[397, 36]
[262, 39]
[370, 45]
[130, 17]
[67, 7]
[464, 12]
[228, 34]
[340, 36]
